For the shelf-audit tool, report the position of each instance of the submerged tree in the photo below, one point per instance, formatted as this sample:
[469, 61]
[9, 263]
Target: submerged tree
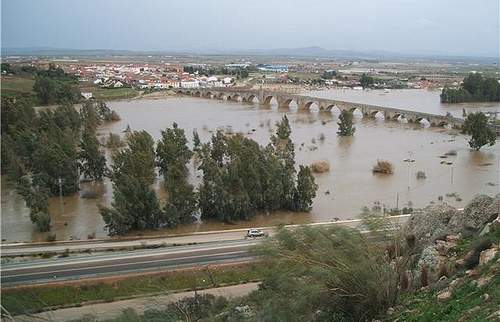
[345, 124]
[306, 189]
[92, 160]
[135, 205]
[37, 200]
[476, 124]
[173, 155]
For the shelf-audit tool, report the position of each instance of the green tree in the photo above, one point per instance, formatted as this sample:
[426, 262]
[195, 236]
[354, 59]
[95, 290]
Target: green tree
[476, 124]
[306, 189]
[37, 200]
[196, 141]
[181, 205]
[345, 124]
[137, 159]
[172, 149]
[135, 205]
[366, 81]
[92, 160]
[46, 89]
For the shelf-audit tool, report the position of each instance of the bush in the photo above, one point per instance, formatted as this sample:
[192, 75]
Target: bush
[51, 237]
[451, 153]
[320, 166]
[42, 221]
[383, 166]
[421, 175]
[316, 273]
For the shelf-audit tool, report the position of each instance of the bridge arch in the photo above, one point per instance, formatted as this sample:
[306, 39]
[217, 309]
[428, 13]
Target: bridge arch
[251, 98]
[267, 99]
[377, 115]
[423, 121]
[356, 112]
[333, 108]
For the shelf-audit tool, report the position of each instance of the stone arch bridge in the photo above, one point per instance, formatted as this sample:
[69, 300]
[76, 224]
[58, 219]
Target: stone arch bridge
[284, 100]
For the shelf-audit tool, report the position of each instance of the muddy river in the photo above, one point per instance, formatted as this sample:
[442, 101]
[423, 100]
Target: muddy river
[343, 191]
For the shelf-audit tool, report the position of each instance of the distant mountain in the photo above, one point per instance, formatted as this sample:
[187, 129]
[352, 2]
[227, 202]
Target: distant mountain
[312, 52]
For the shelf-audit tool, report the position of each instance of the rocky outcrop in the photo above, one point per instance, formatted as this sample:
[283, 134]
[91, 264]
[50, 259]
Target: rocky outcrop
[436, 221]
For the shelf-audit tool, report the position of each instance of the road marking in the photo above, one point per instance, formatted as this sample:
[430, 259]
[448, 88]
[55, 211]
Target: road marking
[124, 264]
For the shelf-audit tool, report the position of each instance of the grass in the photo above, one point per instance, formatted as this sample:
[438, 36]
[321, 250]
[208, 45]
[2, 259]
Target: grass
[425, 307]
[17, 86]
[113, 93]
[466, 303]
[31, 299]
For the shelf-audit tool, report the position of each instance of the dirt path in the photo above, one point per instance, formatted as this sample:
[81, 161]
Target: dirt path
[103, 311]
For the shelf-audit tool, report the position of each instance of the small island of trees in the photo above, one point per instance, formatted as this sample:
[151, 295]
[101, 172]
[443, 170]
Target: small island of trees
[474, 88]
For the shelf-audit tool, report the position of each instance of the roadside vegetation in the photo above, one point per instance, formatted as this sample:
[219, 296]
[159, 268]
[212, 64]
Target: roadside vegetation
[442, 266]
[31, 299]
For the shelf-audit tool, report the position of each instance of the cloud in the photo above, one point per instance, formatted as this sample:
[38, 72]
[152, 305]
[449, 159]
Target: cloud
[425, 22]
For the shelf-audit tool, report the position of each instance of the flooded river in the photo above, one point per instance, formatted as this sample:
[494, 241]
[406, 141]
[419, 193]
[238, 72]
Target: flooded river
[421, 100]
[343, 191]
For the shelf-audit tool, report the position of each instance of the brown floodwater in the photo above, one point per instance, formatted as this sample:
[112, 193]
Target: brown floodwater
[421, 100]
[343, 191]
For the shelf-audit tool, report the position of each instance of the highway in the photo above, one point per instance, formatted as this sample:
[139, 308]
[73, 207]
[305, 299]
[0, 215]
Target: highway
[18, 249]
[91, 260]
[119, 263]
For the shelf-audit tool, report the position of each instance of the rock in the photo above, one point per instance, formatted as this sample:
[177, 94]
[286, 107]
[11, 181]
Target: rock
[455, 283]
[495, 316]
[390, 311]
[471, 273]
[481, 210]
[431, 259]
[487, 255]
[482, 281]
[430, 223]
[459, 263]
[452, 239]
[485, 297]
[444, 295]
[491, 227]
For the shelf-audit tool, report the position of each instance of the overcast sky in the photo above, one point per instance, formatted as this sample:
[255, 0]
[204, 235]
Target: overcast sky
[458, 27]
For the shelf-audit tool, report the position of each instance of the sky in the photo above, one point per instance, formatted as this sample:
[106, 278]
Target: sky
[443, 27]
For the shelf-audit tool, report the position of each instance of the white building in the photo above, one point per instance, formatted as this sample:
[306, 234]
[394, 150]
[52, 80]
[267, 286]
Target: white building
[87, 95]
[190, 84]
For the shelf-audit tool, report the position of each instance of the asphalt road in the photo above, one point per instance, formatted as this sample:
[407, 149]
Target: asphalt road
[201, 249]
[17, 249]
[115, 264]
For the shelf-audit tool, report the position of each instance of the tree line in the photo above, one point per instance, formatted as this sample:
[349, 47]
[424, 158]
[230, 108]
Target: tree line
[474, 88]
[45, 152]
[239, 179]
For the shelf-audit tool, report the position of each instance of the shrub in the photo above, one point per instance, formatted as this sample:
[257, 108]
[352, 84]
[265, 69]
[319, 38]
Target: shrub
[451, 153]
[42, 221]
[383, 166]
[51, 237]
[316, 273]
[421, 175]
[320, 166]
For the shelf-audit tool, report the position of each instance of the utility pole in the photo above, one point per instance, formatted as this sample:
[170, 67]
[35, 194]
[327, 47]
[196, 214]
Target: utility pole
[397, 200]
[60, 196]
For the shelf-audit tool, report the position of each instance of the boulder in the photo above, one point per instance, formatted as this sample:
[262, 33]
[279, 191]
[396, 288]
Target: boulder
[431, 223]
[487, 255]
[481, 210]
[444, 295]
